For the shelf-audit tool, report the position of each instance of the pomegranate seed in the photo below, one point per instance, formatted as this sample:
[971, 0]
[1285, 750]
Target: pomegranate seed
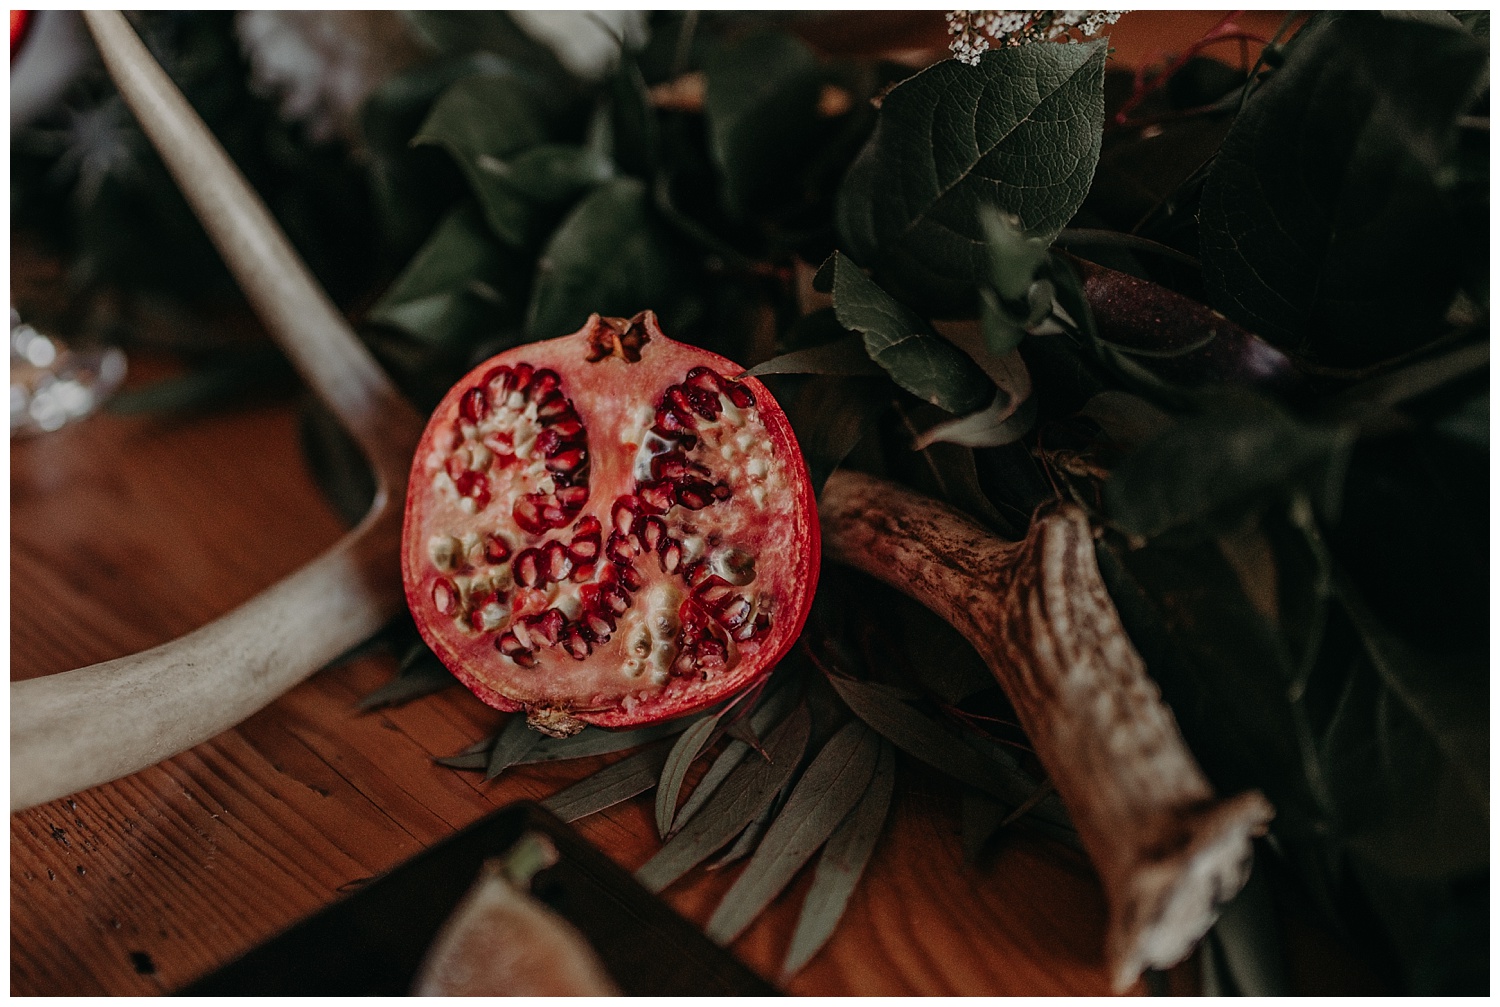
[587, 525]
[649, 532]
[600, 625]
[677, 397]
[549, 442]
[519, 379]
[567, 461]
[568, 426]
[557, 516]
[741, 396]
[623, 514]
[675, 466]
[722, 491]
[613, 598]
[546, 627]
[496, 377]
[705, 404]
[585, 547]
[620, 548]
[583, 572]
[557, 564]
[695, 573]
[572, 497]
[496, 549]
[522, 629]
[444, 596]
[553, 407]
[745, 632]
[575, 644]
[734, 612]
[669, 421]
[713, 591]
[669, 555]
[629, 576]
[695, 495]
[588, 596]
[705, 379]
[543, 384]
[711, 656]
[527, 513]
[527, 569]
[475, 405]
[657, 496]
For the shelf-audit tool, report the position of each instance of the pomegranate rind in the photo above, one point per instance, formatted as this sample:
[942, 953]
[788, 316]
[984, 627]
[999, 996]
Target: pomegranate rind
[601, 391]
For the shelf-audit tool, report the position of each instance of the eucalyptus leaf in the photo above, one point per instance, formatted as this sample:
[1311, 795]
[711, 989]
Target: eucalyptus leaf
[1250, 941]
[464, 761]
[760, 105]
[619, 781]
[515, 741]
[690, 744]
[903, 344]
[1020, 132]
[1330, 224]
[829, 789]
[423, 679]
[745, 843]
[610, 255]
[923, 739]
[598, 741]
[734, 804]
[841, 865]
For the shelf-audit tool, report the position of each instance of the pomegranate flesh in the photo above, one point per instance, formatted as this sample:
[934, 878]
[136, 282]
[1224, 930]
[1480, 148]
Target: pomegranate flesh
[608, 528]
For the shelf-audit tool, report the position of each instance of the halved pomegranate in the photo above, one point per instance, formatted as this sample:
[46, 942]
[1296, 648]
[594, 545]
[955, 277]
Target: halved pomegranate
[608, 528]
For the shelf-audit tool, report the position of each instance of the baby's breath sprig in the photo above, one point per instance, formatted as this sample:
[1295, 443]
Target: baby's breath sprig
[973, 32]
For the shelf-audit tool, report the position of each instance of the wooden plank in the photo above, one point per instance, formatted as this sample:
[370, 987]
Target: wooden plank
[128, 531]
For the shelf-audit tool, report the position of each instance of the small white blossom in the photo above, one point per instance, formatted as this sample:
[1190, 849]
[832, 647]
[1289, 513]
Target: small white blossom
[973, 32]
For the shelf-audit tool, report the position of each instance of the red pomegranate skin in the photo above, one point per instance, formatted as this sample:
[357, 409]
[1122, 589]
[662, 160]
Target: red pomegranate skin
[607, 528]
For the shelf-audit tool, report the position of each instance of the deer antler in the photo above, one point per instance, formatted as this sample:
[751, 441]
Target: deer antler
[81, 728]
[1167, 851]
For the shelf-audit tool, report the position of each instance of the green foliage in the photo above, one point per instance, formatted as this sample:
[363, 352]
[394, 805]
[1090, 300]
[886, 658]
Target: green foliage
[1020, 132]
[1332, 221]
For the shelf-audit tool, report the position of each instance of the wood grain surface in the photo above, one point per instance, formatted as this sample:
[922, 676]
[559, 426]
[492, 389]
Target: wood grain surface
[128, 531]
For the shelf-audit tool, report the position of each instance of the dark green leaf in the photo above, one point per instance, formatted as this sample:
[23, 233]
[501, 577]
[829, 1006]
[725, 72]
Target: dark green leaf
[745, 843]
[980, 818]
[1126, 419]
[423, 679]
[1329, 222]
[339, 467]
[611, 256]
[830, 788]
[842, 865]
[830, 416]
[515, 741]
[454, 288]
[772, 707]
[845, 356]
[1003, 421]
[495, 32]
[734, 804]
[1019, 132]
[597, 741]
[470, 760]
[760, 105]
[483, 121]
[923, 739]
[1240, 452]
[684, 753]
[903, 344]
[619, 781]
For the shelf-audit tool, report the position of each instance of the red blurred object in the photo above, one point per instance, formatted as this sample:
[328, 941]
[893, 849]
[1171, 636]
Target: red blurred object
[19, 20]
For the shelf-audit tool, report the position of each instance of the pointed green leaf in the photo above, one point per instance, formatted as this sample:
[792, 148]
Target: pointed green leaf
[736, 802]
[514, 743]
[1020, 132]
[774, 704]
[841, 865]
[843, 356]
[684, 753]
[903, 344]
[619, 781]
[1003, 421]
[423, 679]
[598, 741]
[609, 255]
[830, 788]
[1331, 222]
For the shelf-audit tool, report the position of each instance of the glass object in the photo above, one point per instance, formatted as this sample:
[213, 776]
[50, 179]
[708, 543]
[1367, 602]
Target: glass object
[51, 385]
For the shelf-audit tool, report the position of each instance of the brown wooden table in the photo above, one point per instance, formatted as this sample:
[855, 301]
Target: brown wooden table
[128, 531]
